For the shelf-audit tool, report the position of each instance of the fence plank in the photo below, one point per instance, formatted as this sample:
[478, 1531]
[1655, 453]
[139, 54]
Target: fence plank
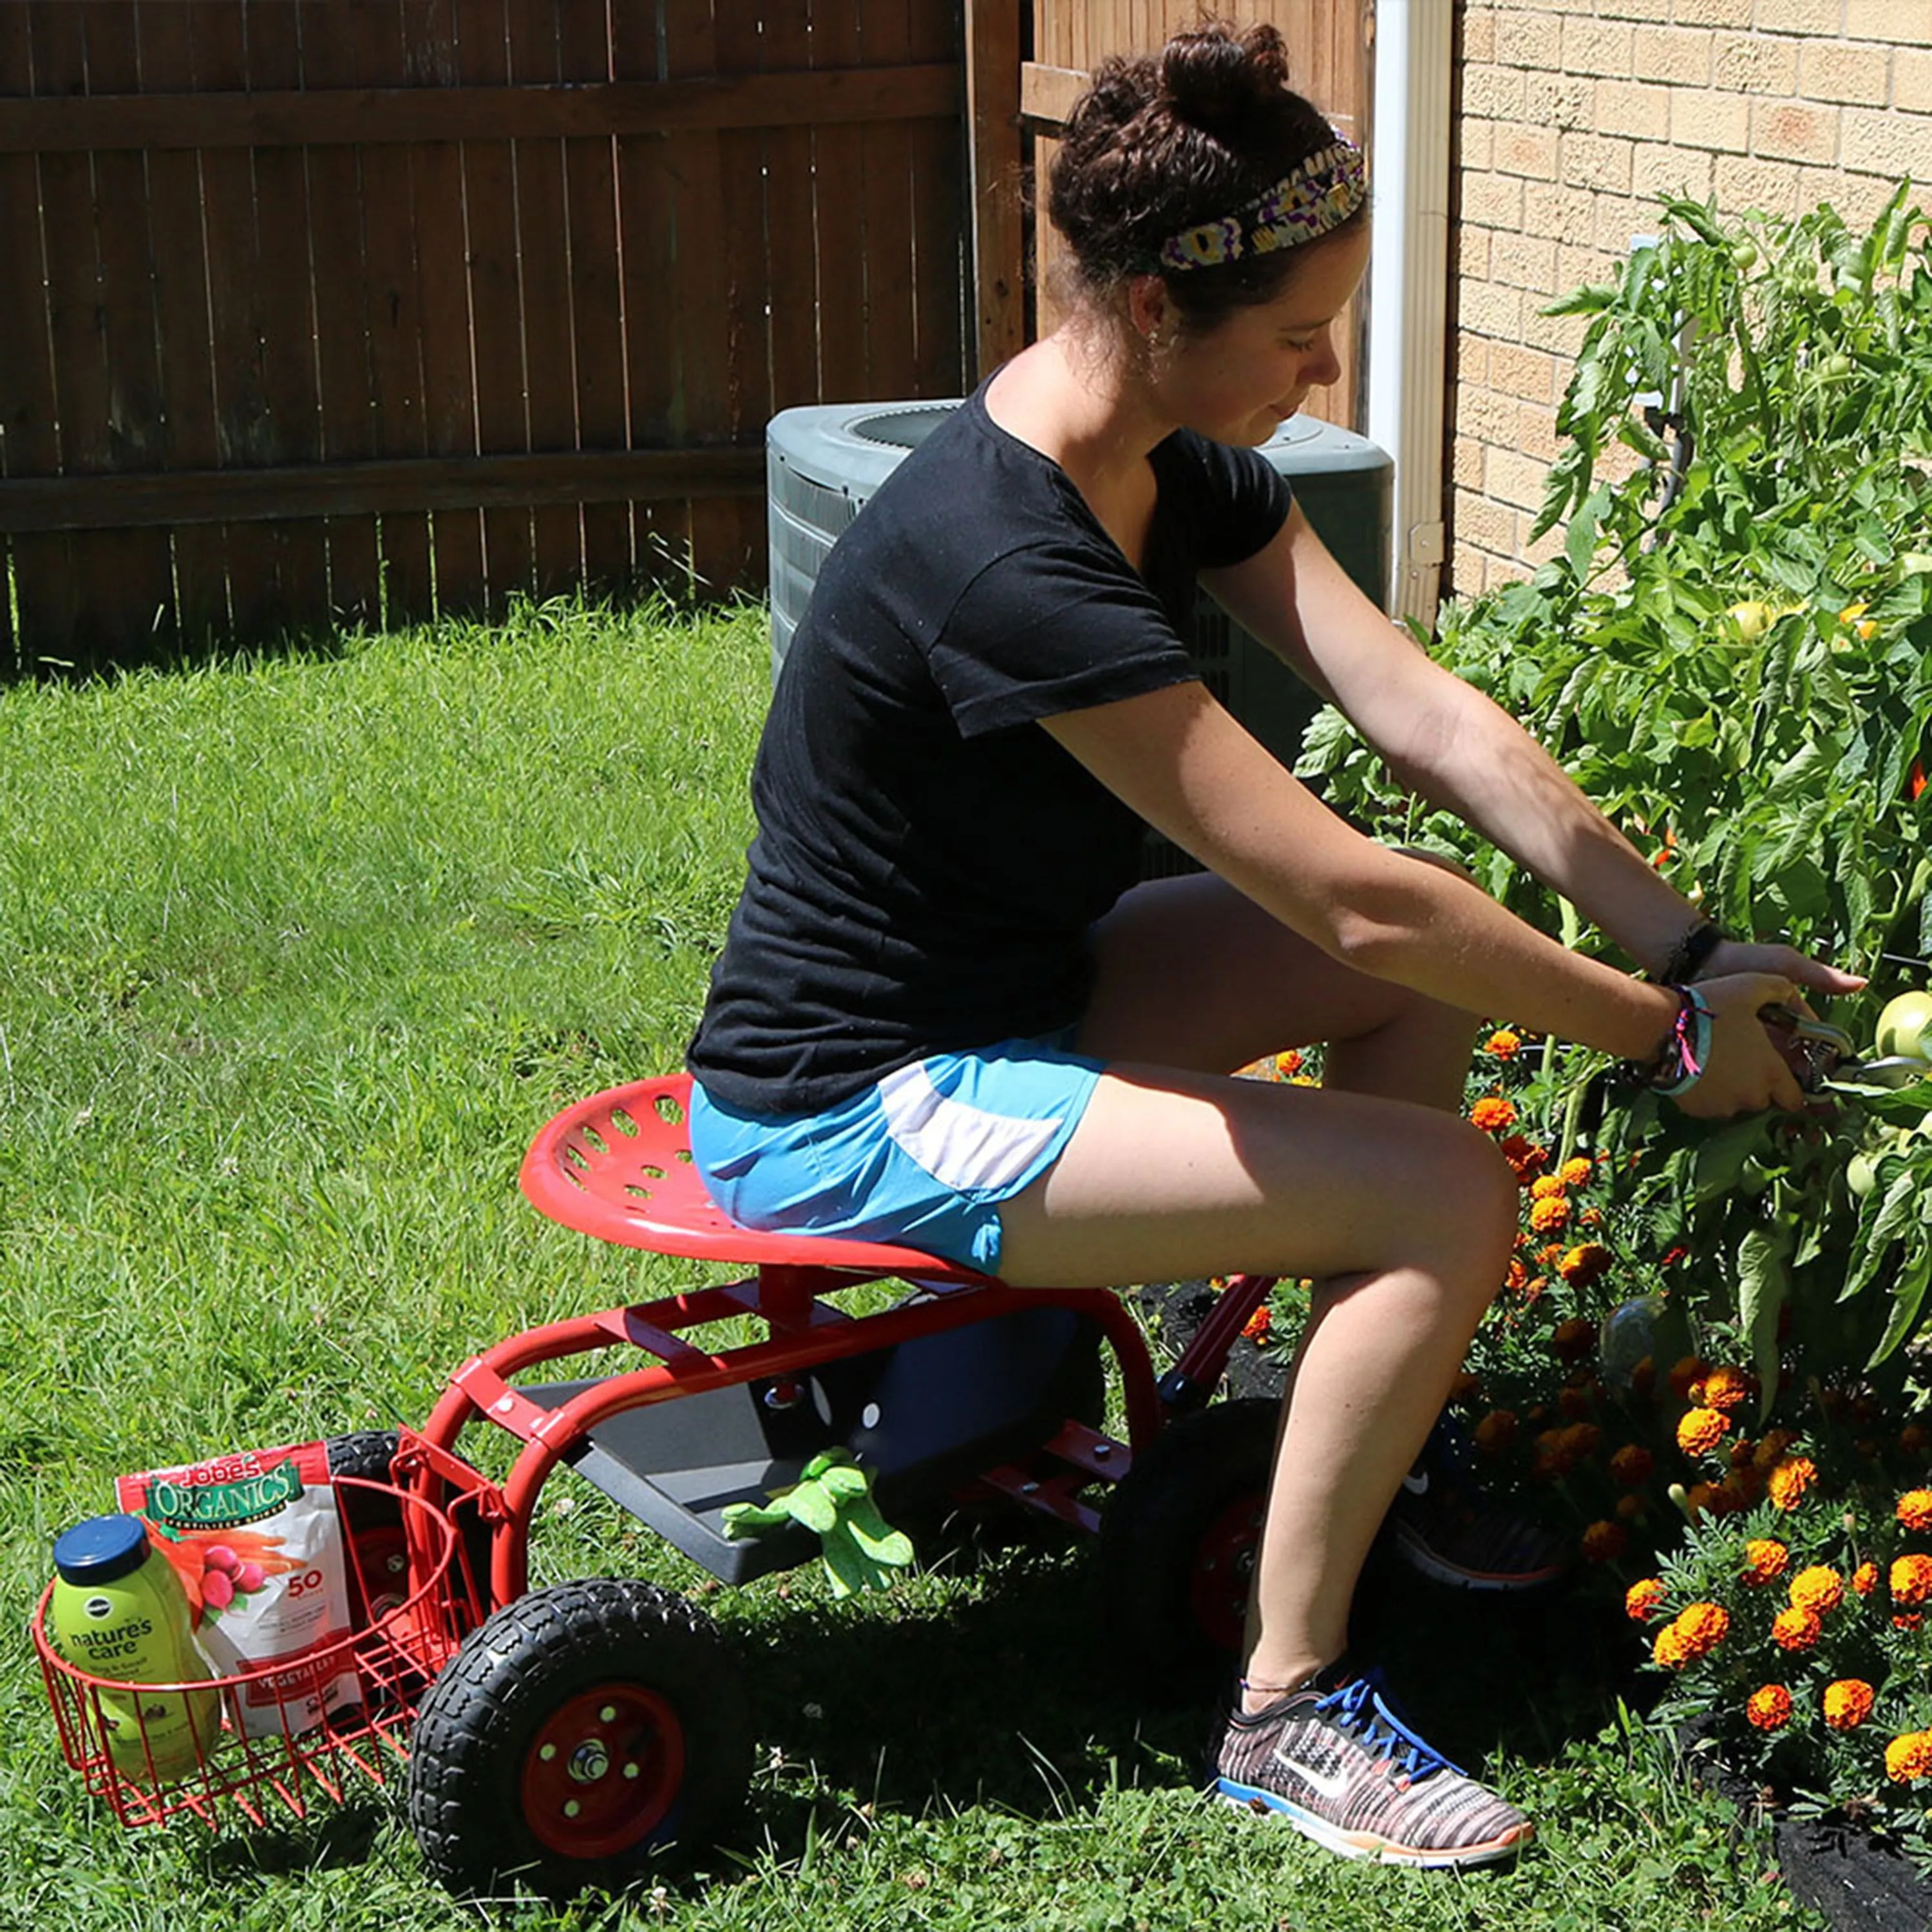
[489, 226]
[33, 566]
[596, 291]
[839, 171]
[941, 226]
[297, 600]
[997, 155]
[344, 376]
[543, 254]
[885, 193]
[790, 249]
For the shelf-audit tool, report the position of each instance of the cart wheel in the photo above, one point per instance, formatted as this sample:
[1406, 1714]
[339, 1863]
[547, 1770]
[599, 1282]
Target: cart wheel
[372, 1525]
[578, 1730]
[1177, 1542]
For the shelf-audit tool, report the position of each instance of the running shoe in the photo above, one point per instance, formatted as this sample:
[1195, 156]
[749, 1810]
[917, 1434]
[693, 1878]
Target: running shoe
[1339, 1765]
[1448, 1525]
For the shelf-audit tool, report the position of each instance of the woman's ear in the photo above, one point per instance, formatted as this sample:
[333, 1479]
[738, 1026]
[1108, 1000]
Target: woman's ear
[1148, 307]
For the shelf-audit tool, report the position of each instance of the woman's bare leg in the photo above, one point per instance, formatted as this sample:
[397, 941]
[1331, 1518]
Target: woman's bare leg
[1403, 1217]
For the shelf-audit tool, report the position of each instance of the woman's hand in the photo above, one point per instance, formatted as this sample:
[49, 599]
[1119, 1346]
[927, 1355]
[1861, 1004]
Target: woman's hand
[1745, 955]
[1744, 1070]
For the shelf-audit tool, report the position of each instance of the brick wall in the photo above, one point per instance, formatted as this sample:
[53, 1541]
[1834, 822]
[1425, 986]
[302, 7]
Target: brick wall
[1574, 116]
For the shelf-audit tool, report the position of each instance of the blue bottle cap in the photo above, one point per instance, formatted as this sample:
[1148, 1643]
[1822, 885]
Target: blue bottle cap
[101, 1548]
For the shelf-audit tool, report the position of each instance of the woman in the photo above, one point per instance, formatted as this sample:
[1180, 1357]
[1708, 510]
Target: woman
[947, 1015]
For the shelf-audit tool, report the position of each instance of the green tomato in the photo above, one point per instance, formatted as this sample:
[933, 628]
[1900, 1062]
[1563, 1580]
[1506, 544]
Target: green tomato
[1861, 1177]
[1836, 367]
[1905, 1028]
[1745, 257]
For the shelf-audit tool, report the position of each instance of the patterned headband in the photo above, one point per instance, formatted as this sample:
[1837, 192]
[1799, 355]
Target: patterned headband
[1319, 195]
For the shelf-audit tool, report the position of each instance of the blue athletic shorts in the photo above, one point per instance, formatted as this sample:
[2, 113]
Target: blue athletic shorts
[923, 1159]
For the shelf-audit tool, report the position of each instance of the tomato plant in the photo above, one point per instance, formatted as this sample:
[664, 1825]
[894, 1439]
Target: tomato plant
[1731, 653]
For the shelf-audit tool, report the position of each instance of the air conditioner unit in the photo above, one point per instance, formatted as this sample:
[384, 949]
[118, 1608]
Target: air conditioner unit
[824, 462]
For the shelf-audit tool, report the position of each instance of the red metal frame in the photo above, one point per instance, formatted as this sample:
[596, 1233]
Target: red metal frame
[617, 1166]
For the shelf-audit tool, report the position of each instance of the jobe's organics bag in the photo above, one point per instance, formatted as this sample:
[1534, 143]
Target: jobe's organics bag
[257, 1543]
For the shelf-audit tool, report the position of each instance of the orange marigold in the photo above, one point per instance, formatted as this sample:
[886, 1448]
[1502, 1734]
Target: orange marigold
[1911, 1579]
[1576, 1173]
[1256, 1327]
[1672, 1649]
[1704, 1626]
[1848, 1703]
[1912, 1620]
[1287, 1064]
[1571, 1341]
[1725, 1388]
[1817, 1589]
[1794, 1629]
[1642, 1599]
[1700, 1430]
[1631, 1466]
[1909, 1758]
[1765, 1560]
[1588, 1262]
[1690, 1368]
[1864, 1578]
[1771, 1449]
[1547, 1187]
[1549, 1214]
[1769, 1707]
[1496, 1431]
[1604, 1542]
[1915, 1509]
[1790, 1480]
[1504, 1043]
[1493, 1113]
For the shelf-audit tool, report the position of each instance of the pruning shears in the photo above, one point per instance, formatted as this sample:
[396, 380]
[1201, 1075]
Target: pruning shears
[1822, 1054]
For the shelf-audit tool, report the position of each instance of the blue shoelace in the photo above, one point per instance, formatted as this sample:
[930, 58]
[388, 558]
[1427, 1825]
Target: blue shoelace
[1359, 1709]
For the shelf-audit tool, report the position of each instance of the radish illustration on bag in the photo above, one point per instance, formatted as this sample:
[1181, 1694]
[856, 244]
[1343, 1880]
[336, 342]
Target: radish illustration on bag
[257, 1543]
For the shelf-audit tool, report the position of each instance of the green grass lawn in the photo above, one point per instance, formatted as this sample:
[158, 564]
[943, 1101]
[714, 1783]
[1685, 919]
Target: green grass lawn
[298, 954]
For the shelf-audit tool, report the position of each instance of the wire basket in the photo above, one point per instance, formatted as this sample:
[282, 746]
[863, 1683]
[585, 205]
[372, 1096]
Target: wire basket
[407, 1630]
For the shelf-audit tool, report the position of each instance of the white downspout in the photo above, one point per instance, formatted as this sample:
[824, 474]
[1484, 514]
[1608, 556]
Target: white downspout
[1408, 298]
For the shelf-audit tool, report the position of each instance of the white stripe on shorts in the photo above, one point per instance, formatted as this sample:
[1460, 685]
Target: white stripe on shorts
[963, 1146]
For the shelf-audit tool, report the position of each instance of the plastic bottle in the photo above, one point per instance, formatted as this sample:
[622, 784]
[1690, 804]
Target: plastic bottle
[119, 1612]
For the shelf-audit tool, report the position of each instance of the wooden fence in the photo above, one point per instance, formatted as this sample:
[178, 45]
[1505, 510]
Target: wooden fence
[322, 311]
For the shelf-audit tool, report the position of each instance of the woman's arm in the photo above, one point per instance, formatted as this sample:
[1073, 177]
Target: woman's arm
[1181, 761]
[1448, 742]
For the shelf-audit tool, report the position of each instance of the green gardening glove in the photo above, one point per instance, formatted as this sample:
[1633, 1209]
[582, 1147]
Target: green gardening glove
[833, 1496]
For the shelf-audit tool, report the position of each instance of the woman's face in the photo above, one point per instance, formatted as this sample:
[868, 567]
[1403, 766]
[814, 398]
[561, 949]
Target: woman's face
[1240, 381]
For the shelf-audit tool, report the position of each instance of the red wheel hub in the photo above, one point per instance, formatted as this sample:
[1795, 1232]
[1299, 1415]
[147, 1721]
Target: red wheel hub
[1224, 1565]
[603, 1771]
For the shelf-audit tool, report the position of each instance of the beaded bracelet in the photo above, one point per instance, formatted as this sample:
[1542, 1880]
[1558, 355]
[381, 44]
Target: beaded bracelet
[1679, 1061]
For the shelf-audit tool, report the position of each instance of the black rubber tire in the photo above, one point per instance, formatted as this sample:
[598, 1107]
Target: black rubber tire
[372, 1525]
[1177, 1545]
[595, 1670]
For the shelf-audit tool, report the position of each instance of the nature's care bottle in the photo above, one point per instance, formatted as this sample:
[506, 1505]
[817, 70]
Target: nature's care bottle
[118, 1612]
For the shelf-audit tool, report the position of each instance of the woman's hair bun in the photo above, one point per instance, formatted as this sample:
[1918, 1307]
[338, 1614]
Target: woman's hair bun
[1216, 80]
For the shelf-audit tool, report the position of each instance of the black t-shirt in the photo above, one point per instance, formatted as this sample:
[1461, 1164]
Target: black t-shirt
[928, 861]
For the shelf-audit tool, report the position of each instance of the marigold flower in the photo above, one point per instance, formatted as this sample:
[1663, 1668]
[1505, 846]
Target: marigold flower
[1910, 1621]
[1579, 1401]
[1504, 1043]
[1915, 1509]
[1582, 1441]
[1546, 1187]
[1704, 1626]
[1576, 1173]
[1632, 1466]
[1642, 1379]
[1549, 1214]
[1771, 1449]
[1256, 1327]
[1911, 1579]
[1604, 1542]
[1769, 1707]
[1700, 1430]
[1591, 1217]
[1672, 1650]
[1725, 1388]
[1731, 1497]
[1642, 1599]
[1909, 1758]
[1571, 1341]
[1790, 1480]
[1493, 1113]
[1817, 1589]
[1549, 1254]
[1496, 1432]
[1689, 1369]
[1793, 1629]
[1585, 1264]
[1914, 1439]
[1765, 1560]
[1288, 1064]
[1864, 1578]
[1633, 1508]
[1465, 1387]
[1848, 1703]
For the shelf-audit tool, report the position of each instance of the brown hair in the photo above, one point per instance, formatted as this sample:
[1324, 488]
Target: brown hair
[1161, 142]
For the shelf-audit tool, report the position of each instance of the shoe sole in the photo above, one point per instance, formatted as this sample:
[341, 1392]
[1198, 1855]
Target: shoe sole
[1369, 1844]
[1419, 1556]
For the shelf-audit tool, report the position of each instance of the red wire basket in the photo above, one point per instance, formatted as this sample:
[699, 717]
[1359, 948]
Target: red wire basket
[394, 1657]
